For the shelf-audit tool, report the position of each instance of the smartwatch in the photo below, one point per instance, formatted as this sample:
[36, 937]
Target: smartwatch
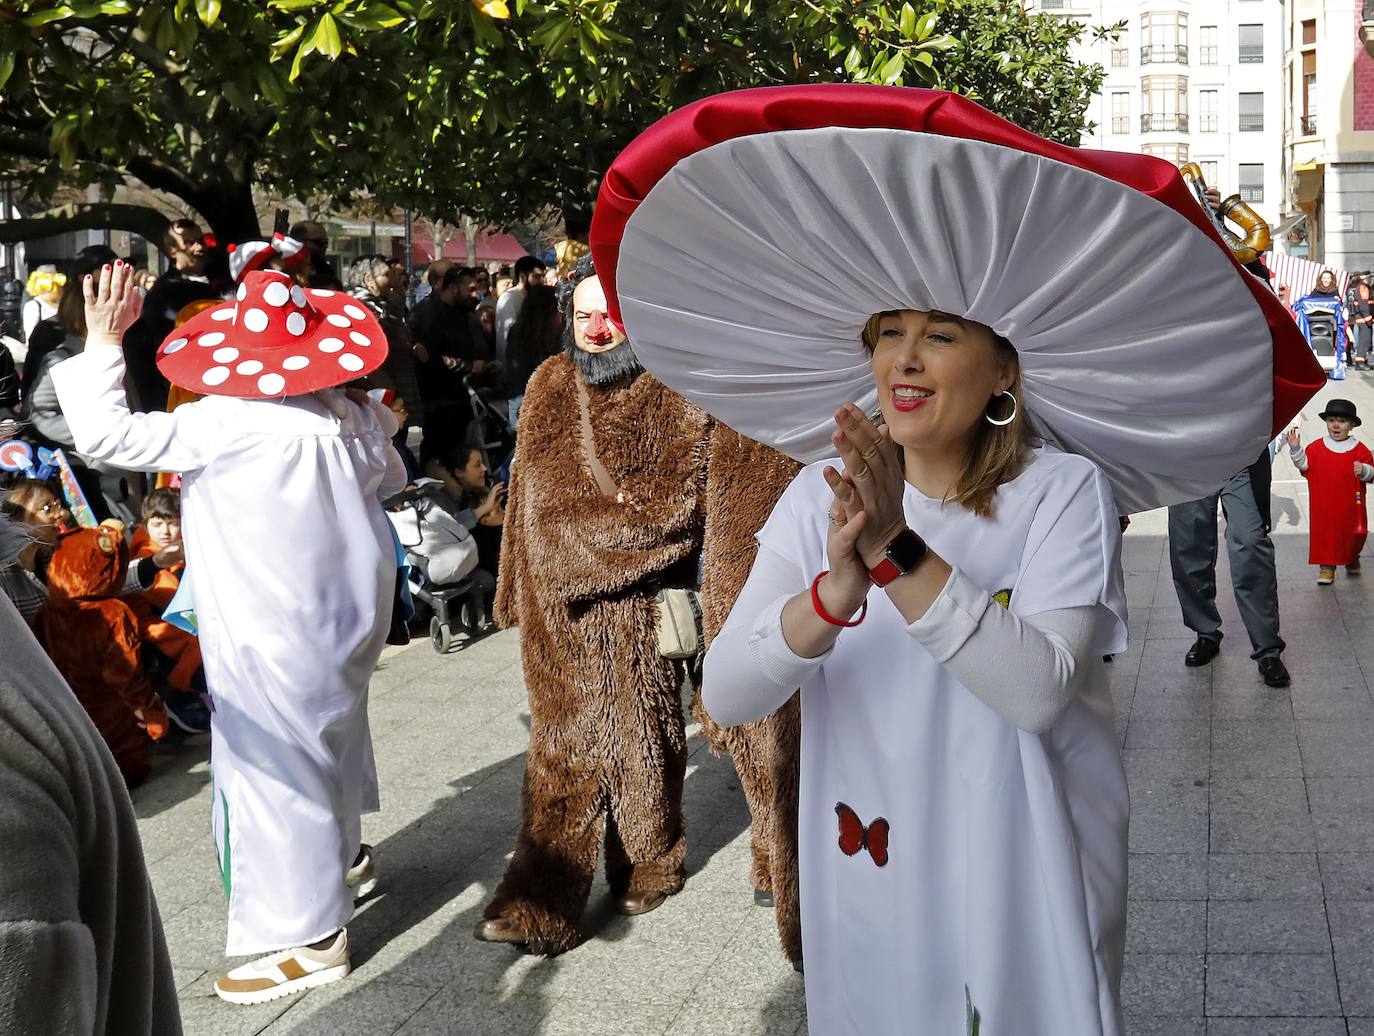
[904, 552]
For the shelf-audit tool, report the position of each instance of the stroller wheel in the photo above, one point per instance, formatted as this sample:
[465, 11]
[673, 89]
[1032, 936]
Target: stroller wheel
[440, 635]
[470, 617]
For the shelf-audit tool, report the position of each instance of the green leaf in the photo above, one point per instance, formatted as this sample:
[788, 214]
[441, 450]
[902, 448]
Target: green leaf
[892, 71]
[906, 21]
[327, 39]
[6, 65]
[926, 25]
[208, 11]
[52, 14]
[306, 48]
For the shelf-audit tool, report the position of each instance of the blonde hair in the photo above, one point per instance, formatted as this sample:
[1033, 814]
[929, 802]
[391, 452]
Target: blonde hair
[997, 453]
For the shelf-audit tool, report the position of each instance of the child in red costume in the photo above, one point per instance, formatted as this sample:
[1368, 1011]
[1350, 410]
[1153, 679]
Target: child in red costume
[1336, 468]
[92, 638]
[160, 537]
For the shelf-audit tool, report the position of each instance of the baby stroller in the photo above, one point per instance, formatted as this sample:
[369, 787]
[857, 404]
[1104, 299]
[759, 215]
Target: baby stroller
[491, 428]
[442, 555]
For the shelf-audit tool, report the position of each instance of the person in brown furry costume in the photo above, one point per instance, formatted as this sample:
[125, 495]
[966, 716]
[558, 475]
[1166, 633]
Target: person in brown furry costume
[579, 570]
[745, 481]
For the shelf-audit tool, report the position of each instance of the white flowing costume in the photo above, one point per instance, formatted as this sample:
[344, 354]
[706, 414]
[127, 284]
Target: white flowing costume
[1007, 850]
[293, 574]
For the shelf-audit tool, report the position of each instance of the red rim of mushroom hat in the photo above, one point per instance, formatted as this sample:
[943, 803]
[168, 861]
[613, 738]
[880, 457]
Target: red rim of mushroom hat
[275, 338]
[652, 156]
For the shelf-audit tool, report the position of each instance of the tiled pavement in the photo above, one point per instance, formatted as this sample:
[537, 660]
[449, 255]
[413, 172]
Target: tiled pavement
[1252, 846]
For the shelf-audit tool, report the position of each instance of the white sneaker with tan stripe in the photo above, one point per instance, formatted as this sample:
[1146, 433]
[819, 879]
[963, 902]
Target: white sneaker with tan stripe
[285, 972]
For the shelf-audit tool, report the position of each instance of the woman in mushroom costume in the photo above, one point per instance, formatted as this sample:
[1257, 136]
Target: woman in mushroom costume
[943, 578]
[291, 568]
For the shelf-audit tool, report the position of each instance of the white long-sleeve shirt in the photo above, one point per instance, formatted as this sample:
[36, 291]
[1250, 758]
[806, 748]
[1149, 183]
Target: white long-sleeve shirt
[750, 670]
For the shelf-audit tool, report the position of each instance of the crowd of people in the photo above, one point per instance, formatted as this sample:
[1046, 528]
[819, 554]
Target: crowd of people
[943, 846]
[456, 362]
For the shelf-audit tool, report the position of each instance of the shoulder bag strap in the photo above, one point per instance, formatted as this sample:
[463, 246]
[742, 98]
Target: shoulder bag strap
[604, 482]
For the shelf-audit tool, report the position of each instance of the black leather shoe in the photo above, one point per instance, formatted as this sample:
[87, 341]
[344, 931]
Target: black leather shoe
[1204, 649]
[1275, 673]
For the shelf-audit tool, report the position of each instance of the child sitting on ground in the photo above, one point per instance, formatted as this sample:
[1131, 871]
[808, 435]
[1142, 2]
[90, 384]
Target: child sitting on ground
[1336, 467]
[156, 547]
[92, 638]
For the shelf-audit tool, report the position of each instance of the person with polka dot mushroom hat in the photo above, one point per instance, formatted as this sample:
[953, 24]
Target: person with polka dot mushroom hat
[281, 473]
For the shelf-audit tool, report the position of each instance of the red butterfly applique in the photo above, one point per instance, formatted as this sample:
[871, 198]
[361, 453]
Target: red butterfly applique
[854, 836]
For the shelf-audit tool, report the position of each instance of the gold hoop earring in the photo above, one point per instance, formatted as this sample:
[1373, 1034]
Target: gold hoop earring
[1002, 423]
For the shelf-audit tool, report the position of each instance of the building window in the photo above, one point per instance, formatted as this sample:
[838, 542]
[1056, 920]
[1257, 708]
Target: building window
[1175, 153]
[1309, 32]
[1251, 39]
[1251, 113]
[1164, 104]
[1165, 35]
[1121, 112]
[1209, 171]
[1120, 57]
[1308, 124]
[1252, 181]
[1207, 45]
[1207, 111]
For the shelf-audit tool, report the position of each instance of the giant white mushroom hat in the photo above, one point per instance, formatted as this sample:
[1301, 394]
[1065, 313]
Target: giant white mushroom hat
[744, 240]
[274, 338]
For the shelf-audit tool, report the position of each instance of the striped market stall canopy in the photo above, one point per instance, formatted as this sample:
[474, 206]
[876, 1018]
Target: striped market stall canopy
[1301, 274]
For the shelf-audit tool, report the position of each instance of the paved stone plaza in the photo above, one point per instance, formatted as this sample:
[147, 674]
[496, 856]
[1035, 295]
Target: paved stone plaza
[1252, 845]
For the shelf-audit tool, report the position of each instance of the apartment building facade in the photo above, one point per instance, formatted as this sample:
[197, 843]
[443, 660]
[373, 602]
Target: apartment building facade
[1329, 131]
[1191, 80]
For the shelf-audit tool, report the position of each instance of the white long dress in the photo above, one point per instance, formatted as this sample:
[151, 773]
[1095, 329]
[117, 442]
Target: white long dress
[1006, 870]
[293, 570]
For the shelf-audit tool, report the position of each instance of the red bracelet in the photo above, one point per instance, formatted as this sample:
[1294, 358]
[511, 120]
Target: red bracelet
[820, 609]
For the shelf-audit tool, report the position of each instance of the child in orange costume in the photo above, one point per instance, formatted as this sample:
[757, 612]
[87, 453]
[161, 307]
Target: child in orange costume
[160, 534]
[92, 638]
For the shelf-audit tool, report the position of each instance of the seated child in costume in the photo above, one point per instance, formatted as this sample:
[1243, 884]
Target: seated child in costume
[1336, 467]
[156, 549]
[92, 638]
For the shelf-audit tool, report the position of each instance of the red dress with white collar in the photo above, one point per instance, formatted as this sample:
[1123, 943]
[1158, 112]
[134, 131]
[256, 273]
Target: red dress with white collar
[1337, 500]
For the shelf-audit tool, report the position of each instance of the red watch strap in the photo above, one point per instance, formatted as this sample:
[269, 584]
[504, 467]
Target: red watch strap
[884, 572]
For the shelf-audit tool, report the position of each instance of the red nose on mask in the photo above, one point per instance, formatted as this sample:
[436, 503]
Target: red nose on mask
[598, 328]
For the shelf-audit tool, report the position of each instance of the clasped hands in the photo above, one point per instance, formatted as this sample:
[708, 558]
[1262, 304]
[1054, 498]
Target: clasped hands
[866, 510]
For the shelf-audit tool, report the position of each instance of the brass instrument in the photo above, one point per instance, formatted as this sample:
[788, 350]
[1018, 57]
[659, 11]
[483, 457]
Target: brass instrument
[1257, 238]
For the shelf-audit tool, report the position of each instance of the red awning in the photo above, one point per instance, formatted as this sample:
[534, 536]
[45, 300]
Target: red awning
[491, 247]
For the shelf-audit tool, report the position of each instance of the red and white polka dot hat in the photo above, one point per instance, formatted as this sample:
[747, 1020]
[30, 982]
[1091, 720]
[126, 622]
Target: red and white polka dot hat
[275, 339]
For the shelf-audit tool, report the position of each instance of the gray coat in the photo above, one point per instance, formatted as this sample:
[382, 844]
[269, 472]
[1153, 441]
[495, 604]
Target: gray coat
[81, 944]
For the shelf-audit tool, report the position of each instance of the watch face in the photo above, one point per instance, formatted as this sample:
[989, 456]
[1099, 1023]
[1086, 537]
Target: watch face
[906, 550]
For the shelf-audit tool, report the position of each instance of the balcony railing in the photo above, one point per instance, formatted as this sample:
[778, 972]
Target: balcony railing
[1171, 122]
[1309, 125]
[1252, 53]
[1251, 123]
[1207, 55]
[1251, 193]
[1172, 53]
[1121, 124]
[1207, 123]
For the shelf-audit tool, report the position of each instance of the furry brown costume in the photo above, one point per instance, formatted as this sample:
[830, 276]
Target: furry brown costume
[746, 480]
[578, 576]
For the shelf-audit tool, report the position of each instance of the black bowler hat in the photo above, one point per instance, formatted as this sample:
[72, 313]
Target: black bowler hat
[1341, 408]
